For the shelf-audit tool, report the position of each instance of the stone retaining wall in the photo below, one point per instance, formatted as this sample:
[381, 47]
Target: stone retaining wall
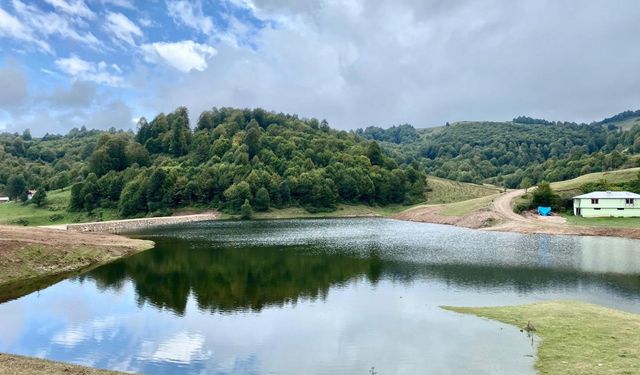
[119, 226]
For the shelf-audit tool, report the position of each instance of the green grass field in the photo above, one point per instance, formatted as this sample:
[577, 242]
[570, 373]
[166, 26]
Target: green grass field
[343, 210]
[577, 338]
[621, 175]
[617, 222]
[448, 191]
[468, 206]
[54, 212]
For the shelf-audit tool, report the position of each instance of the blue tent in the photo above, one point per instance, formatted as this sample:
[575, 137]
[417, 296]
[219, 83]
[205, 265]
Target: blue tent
[544, 211]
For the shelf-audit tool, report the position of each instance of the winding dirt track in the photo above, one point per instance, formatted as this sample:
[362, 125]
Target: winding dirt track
[502, 206]
[499, 216]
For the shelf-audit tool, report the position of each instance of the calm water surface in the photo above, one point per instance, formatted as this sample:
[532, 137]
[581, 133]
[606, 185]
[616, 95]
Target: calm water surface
[316, 297]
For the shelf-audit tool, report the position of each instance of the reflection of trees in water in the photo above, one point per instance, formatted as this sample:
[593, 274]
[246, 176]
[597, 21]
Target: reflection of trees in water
[520, 279]
[250, 278]
[227, 279]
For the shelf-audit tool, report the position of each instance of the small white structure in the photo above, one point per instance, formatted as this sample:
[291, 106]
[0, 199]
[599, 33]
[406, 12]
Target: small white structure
[607, 204]
[4, 199]
[30, 194]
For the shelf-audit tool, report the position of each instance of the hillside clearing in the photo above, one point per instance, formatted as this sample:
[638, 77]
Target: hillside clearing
[54, 212]
[442, 190]
[621, 175]
[577, 338]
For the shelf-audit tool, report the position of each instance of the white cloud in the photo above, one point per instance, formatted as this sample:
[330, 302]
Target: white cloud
[189, 13]
[361, 63]
[72, 7]
[89, 71]
[127, 4]
[11, 27]
[14, 85]
[47, 24]
[184, 56]
[122, 28]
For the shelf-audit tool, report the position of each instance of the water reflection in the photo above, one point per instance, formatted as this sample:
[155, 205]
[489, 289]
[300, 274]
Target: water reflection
[316, 296]
[235, 268]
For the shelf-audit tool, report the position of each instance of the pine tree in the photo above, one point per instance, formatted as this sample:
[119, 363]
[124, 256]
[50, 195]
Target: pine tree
[245, 210]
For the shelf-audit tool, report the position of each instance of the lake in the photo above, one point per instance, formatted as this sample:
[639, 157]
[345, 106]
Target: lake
[330, 296]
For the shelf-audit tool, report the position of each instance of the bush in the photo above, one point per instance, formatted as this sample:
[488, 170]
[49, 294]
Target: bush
[543, 195]
[22, 221]
[56, 217]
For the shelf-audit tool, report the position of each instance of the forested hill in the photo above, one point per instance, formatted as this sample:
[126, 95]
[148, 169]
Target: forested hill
[520, 152]
[234, 160]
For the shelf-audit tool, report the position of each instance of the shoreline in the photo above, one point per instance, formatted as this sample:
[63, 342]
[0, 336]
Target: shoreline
[495, 213]
[21, 365]
[32, 258]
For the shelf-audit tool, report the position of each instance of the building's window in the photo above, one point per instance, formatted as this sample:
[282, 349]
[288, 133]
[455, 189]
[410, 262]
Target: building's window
[628, 201]
[620, 209]
[595, 201]
[597, 209]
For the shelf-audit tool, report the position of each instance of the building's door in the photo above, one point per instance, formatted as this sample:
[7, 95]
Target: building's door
[578, 211]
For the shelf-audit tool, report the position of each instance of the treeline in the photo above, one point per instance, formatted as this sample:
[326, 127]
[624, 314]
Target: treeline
[508, 153]
[233, 158]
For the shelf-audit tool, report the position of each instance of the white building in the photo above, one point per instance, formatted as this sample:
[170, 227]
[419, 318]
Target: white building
[607, 204]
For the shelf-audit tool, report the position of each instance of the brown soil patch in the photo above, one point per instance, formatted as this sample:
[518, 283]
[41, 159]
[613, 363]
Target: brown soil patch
[28, 253]
[18, 365]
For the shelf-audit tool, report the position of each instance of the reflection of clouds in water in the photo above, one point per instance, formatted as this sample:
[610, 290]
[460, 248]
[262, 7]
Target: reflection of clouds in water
[182, 347]
[95, 330]
[13, 323]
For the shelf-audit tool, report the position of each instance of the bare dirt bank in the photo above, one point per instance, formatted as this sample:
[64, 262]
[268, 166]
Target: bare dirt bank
[31, 256]
[19, 365]
[497, 215]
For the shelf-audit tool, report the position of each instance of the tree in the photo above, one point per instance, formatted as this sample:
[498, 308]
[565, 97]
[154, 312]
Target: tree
[26, 135]
[543, 195]
[76, 203]
[16, 186]
[245, 210]
[262, 200]
[252, 139]
[39, 198]
[374, 153]
[525, 184]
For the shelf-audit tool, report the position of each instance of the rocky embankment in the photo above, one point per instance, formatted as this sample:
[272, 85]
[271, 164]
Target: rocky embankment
[120, 226]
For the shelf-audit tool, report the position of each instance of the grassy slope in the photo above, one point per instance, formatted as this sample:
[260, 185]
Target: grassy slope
[621, 175]
[448, 191]
[577, 338]
[468, 206]
[57, 202]
[19, 365]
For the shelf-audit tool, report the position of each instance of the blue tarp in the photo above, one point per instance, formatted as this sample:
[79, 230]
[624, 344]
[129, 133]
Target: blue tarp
[544, 211]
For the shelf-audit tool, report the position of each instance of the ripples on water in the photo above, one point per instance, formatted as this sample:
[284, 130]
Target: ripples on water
[316, 296]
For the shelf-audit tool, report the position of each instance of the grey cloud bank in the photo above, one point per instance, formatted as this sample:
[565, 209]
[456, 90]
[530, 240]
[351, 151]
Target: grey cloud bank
[359, 63]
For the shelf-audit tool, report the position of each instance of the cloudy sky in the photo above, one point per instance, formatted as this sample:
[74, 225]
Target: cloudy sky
[103, 63]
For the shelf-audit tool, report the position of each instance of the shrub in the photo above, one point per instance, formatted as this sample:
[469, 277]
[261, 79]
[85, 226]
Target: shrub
[56, 217]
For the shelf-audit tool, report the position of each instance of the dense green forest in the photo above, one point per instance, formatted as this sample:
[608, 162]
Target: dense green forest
[235, 160]
[520, 152]
[241, 160]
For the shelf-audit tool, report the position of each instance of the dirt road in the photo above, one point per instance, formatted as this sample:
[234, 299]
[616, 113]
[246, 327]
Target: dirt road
[502, 205]
[498, 215]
